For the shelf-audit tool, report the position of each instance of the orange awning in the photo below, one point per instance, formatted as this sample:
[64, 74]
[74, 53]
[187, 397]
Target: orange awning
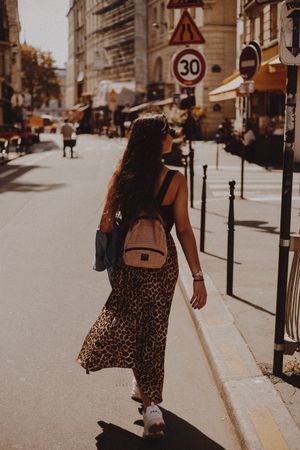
[270, 77]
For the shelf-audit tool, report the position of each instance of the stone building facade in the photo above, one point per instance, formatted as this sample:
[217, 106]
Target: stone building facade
[124, 45]
[259, 23]
[10, 60]
[107, 50]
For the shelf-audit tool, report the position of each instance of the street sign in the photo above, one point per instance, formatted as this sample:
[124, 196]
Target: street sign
[289, 44]
[186, 32]
[188, 67]
[184, 3]
[265, 2]
[249, 62]
[247, 87]
[176, 97]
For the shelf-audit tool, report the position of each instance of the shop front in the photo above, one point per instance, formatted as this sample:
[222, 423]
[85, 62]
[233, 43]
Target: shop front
[266, 106]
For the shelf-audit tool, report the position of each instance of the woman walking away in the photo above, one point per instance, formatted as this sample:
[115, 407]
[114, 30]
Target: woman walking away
[132, 327]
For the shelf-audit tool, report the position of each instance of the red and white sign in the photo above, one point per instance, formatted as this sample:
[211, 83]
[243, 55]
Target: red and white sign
[249, 62]
[186, 32]
[185, 3]
[188, 67]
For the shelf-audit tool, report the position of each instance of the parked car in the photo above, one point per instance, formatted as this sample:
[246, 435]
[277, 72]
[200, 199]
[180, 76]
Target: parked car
[27, 136]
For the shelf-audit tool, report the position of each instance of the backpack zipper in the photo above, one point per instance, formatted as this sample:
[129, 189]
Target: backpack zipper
[144, 248]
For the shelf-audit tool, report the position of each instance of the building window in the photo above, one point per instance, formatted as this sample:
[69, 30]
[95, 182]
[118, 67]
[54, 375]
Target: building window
[158, 70]
[162, 18]
[273, 22]
[154, 24]
[256, 35]
[252, 29]
[171, 18]
[2, 65]
[261, 28]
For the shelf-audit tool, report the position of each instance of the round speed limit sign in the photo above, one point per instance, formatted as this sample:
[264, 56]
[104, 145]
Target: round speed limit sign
[188, 67]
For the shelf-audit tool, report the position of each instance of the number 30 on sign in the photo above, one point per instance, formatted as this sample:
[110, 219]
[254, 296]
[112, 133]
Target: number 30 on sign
[188, 67]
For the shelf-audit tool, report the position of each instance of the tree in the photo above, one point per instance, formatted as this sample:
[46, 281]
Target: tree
[39, 78]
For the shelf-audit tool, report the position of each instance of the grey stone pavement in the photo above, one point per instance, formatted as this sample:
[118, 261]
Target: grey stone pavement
[49, 209]
[257, 221]
[53, 401]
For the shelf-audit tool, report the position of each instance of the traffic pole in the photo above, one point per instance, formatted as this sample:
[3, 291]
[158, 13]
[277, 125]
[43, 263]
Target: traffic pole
[217, 156]
[245, 120]
[285, 219]
[230, 240]
[191, 159]
[203, 210]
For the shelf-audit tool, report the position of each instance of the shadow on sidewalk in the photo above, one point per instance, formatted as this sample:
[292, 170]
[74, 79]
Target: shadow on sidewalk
[222, 258]
[179, 435]
[44, 146]
[260, 308]
[8, 181]
[259, 225]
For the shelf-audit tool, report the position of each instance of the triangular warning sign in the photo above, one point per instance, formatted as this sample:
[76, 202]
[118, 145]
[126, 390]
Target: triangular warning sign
[186, 32]
[184, 3]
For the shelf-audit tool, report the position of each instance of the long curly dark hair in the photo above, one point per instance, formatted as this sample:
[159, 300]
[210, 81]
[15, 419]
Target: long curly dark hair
[132, 186]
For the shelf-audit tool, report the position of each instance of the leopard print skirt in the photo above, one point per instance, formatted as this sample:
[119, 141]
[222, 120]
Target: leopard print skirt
[131, 329]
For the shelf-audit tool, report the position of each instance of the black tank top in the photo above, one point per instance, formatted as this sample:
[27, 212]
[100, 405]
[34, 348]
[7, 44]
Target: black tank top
[166, 211]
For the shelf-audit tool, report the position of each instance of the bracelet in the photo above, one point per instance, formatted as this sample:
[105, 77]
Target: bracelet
[196, 275]
[198, 279]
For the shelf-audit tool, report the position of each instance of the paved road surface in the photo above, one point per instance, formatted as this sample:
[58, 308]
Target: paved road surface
[49, 208]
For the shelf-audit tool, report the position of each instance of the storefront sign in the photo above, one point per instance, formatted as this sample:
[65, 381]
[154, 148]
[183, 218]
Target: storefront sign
[249, 62]
[186, 32]
[188, 67]
[289, 43]
[184, 4]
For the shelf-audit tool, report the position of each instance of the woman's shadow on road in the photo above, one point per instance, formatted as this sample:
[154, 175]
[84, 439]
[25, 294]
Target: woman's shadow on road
[179, 435]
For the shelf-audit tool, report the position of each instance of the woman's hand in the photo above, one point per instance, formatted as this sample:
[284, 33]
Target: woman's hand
[199, 295]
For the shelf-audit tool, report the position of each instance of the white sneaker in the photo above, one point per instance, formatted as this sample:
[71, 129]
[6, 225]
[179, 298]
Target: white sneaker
[135, 392]
[154, 424]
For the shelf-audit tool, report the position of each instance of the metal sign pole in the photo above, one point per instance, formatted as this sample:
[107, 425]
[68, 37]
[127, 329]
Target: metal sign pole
[285, 221]
[245, 120]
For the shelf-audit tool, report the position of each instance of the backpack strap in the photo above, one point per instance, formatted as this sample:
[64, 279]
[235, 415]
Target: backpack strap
[165, 186]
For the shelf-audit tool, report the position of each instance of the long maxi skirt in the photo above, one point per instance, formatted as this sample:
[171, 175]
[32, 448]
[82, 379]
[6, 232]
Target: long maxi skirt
[131, 329]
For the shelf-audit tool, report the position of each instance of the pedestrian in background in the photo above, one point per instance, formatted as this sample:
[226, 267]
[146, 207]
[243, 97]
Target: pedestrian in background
[68, 132]
[132, 327]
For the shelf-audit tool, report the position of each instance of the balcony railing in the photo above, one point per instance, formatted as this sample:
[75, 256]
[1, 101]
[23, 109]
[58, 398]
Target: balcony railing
[111, 7]
[115, 25]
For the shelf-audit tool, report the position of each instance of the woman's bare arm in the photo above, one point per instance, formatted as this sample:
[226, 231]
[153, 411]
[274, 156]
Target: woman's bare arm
[184, 229]
[187, 240]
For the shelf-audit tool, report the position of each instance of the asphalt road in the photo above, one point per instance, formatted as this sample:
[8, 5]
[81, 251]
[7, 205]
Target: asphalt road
[49, 207]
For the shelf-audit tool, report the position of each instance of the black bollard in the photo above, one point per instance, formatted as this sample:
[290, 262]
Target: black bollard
[230, 241]
[217, 157]
[203, 210]
[191, 160]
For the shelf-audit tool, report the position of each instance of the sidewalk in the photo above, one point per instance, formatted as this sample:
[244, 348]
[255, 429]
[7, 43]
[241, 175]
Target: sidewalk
[11, 157]
[260, 414]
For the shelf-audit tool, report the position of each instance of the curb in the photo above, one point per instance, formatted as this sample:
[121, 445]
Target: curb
[259, 415]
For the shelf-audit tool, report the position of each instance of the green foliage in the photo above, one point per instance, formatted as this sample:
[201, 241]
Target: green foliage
[39, 78]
